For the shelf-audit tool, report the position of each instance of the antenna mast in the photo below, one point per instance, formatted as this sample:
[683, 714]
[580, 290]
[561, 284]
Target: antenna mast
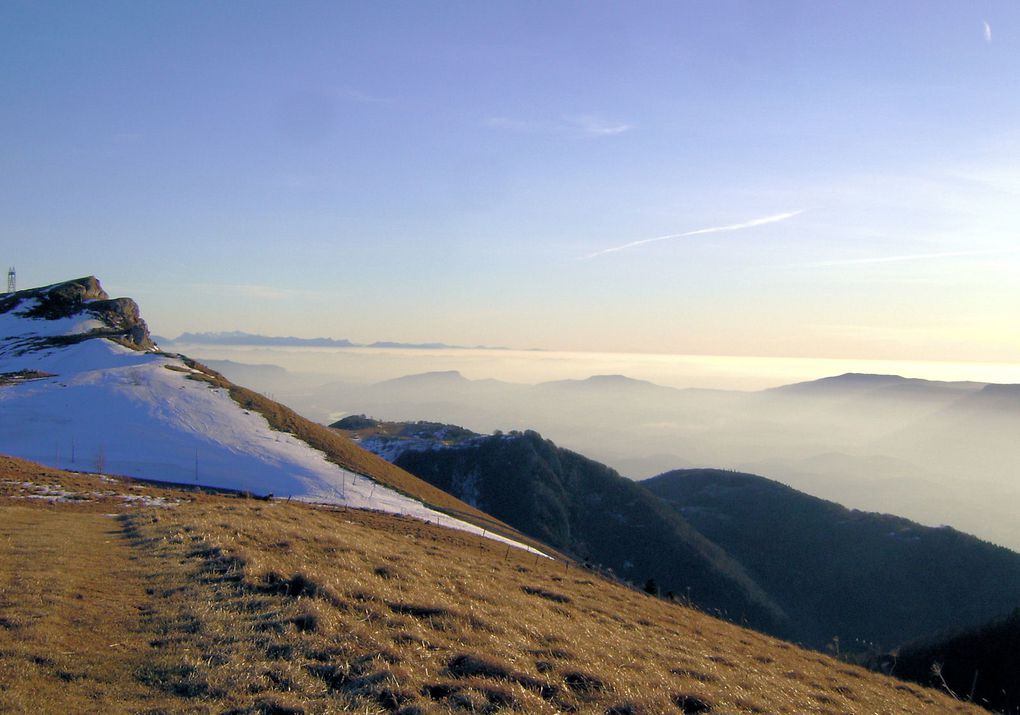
[10, 280]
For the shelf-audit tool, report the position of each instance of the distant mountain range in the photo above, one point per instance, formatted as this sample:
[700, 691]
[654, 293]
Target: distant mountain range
[235, 337]
[803, 567]
[935, 452]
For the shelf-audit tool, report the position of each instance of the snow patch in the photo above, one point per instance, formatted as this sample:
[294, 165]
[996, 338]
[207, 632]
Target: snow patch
[55, 494]
[391, 448]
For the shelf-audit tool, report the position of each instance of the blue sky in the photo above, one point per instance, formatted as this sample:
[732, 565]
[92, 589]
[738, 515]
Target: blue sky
[457, 171]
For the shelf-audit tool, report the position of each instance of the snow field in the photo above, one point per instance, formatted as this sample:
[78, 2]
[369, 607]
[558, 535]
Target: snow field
[119, 411]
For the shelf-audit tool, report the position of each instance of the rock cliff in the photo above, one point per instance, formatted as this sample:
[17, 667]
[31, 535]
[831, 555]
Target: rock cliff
[118, 318]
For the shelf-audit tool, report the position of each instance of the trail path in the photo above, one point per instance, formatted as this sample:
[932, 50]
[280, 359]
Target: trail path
[72, 597]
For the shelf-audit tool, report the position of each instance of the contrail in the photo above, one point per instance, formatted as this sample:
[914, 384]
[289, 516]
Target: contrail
[699, 232]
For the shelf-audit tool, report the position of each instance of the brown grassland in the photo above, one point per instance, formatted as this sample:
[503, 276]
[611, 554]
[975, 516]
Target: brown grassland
[221, 604]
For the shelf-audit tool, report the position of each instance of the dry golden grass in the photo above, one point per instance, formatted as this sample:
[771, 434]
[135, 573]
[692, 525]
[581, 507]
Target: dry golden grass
[223, 604]
[67, 580]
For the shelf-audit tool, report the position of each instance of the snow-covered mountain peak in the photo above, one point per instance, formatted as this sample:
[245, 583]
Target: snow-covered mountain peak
[82, 387]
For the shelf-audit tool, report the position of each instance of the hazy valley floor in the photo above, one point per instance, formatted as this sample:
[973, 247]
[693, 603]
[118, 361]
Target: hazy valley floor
[119, 597]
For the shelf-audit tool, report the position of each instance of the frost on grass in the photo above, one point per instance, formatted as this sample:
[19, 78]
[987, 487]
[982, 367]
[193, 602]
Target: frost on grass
[61, 495]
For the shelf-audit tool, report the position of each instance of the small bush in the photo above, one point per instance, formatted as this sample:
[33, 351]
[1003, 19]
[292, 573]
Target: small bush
[296, 585]
[466, 665]
[411, 609]
[691, 704]
[581, 682]
[306, 622]
[548, 595]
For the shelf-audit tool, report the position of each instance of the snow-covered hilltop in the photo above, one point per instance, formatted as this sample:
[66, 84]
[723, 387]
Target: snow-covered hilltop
[83, 387]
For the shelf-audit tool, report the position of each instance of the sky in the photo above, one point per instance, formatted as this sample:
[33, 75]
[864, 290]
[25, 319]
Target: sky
[809, 179]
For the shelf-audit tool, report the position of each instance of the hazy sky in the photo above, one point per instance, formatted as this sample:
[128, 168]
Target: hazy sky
[816, 178]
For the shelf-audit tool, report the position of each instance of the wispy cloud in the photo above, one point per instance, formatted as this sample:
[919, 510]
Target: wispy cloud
[587, 125]
[776, 218]
[988, 31]
[597, 127]
[907, 257]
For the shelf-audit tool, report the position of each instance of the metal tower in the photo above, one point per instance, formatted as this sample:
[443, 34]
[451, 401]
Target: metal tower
[10, 280]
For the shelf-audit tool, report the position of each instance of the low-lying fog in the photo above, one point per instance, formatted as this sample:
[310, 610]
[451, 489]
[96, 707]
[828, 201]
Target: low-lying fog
[937, 452]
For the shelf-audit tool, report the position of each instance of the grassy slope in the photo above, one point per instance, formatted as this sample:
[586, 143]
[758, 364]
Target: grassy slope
[228, 604]
[342, 451]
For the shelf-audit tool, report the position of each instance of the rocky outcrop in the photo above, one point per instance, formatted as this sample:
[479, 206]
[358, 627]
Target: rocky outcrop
[121, 315]
[61, 300]
[86, 297]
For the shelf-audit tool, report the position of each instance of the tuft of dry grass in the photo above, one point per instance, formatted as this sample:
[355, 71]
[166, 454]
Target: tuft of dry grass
[225, 604]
